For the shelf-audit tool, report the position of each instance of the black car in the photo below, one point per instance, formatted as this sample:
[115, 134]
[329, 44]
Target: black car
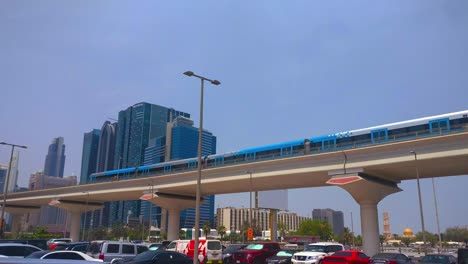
[438, 259]
[76, 246]
[227, 252]
[390, 258]
[159, 257]
[282, 257]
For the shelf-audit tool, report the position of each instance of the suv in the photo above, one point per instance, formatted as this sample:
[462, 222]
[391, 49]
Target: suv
[314, 253]
[109, 250]
[52, 243]
[256, 253]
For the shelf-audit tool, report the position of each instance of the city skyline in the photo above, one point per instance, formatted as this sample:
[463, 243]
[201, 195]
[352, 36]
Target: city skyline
[287, 72]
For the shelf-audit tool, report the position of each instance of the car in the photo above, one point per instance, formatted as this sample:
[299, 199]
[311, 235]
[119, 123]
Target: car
[52, 243]
[229, 250]
[438, 259]
[347, 256]
[157, 257]
[17, 250]
[256, 253]
[75, 246]
[109, 250]
[390, 258]
[159, 246]
[314, 253]
[62, 254]
[282, 257]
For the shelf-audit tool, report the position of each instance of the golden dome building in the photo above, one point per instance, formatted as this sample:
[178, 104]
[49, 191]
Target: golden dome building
[408, 233]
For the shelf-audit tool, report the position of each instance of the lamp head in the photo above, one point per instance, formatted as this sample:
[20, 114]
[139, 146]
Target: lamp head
[215, 82]
[2, 143]
[189, 73]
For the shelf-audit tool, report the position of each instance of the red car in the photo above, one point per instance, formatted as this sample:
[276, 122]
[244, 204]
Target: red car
[346, 257]
[256, 253]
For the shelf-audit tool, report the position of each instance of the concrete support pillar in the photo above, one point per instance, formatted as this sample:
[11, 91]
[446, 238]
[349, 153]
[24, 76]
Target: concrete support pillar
[75, 225]
[367, 191]
[163, 221]
[370, 227]
[174, 221]
[16, 224]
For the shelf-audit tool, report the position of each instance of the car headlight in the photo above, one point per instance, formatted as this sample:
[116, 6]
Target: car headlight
[283, 261]
[248, 256]
[311, 257]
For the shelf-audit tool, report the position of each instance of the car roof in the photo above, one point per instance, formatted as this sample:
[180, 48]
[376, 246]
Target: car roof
[325, 244]
[17, 244]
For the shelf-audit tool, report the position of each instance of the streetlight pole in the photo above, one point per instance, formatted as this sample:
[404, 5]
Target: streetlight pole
[85, 216]
[352, 227]
[437, 214]
[200, 141]
[420, 201]
[5, 187]
[250, 196]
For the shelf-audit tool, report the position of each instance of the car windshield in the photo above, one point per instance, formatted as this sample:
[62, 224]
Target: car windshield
[214, 245]
[284, 253]
[147, 255]
[232, 248]
[434, 259]
[255, 246]
[315, 248]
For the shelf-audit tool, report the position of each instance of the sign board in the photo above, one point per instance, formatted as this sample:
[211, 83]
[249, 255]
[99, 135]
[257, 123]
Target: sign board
[250, 234]
[276, 199]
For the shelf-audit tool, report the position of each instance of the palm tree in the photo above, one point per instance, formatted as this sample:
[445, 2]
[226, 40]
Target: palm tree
[221, 231]
[206, 228]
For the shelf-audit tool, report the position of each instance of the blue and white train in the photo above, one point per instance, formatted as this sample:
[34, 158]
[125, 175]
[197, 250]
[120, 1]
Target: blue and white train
[416, 128]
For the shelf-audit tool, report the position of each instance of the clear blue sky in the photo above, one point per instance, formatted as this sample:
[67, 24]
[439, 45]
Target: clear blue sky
[289, 70]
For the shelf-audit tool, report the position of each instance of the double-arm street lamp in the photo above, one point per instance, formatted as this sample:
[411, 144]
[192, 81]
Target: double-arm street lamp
[200, 141]
[420, 201]
[5, 186]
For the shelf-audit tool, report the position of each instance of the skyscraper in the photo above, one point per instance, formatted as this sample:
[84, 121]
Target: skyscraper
[181, 142]
[106, 150]
[89, 155]
[334, 218]
[137, 126]
[55, 159]
[105, 162]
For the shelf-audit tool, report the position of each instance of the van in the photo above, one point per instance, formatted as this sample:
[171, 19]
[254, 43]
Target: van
[209, 250]
[109, 250]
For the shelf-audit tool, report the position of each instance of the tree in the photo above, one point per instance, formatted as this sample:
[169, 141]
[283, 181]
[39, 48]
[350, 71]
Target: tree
[282, 228]
[346, 237]
[315, 228]
[221, 231]
[182, 234]
[118, 230]
[431, 238]
[407, 240]
[206, 228]
[458, 234]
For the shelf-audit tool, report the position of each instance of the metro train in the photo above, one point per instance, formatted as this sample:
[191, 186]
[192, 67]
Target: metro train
[416, 128]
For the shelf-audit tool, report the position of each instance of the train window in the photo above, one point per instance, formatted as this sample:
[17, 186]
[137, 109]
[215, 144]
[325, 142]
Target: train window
[439, 126]
[379, 135]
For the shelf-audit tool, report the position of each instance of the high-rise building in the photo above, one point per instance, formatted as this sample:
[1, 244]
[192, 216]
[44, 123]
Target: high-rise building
[89, 155]
[55, 219]
[3, 175]
[137, 126]
[334, 218]
[55, 159]
[181, 142]
[104, 162]
[106, 150]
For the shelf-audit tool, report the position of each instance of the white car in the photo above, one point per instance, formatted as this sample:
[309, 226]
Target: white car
[314, 253]
[62, 254]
